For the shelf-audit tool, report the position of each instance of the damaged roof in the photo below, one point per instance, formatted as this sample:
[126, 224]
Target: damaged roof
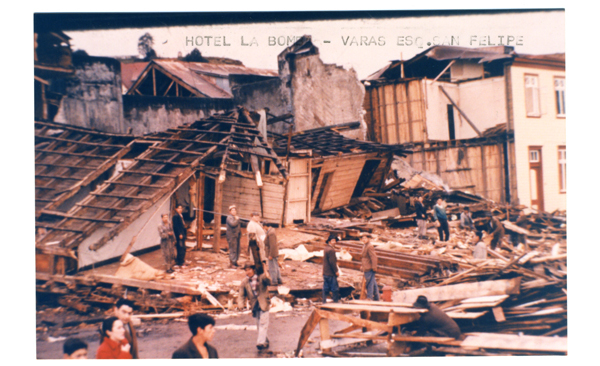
[326, 141]
[485, 54]
[171, 158]
[68, 158]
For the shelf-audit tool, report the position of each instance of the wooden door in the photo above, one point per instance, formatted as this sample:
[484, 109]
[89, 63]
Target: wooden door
[298, 192]
[536, 184]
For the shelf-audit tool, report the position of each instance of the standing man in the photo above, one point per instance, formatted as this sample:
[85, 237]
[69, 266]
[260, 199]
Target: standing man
[233, 234]
[123, 310]
[369, 267]
[254, 227]
[466, 221]
[167, 241]
[202, 328]
[330, 270]
[272, 251]
[439, 215]
[421, 217]
[254, 288]
[180, 234]
[496, 230]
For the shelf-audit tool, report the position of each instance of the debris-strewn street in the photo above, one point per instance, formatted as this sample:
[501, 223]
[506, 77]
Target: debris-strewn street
[192, 205]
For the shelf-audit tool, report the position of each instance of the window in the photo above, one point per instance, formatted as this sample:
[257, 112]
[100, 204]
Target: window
[562, 169]
[532, 96]
[534, 156]
[559, 92]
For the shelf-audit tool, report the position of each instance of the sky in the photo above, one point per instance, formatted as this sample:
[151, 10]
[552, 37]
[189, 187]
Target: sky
[366, 45]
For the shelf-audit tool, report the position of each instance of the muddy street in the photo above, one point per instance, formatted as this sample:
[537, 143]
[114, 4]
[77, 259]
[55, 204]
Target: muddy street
[159, 338]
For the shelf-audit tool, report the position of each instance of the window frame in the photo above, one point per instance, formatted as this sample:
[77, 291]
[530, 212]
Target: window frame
[535, 95]
[562, 169]
[557, 99]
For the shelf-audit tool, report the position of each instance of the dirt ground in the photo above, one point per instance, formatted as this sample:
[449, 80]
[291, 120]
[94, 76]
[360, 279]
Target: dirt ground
[159, 338]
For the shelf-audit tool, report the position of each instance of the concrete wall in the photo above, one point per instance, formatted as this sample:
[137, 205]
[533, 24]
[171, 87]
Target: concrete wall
[324, 95]
[93, 98]
[483, 101]
[147, 114]
[548, 131]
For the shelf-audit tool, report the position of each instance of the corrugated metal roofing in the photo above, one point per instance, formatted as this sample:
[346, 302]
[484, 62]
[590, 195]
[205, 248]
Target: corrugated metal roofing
[442, 53]
[183, 71]
[130, 72]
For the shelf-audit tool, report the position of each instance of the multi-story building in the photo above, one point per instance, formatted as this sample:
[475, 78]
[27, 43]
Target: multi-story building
[485, 119]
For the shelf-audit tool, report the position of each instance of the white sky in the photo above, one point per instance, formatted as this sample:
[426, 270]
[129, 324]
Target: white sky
[257, 45]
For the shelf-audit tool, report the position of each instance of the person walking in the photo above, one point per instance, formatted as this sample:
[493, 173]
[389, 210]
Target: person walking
[167, 242]
[421, 217]
[330, 271]
[233, 235]
[369, 268]
[202, 328]
[180, 234]
[254, 287]
[113, 343]
[439, 215]
[272, 252]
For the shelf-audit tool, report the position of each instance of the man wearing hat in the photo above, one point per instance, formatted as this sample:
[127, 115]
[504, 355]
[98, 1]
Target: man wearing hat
[330, 270]
[255, 289]
[435, 322]
[369, 267]
[233, 234]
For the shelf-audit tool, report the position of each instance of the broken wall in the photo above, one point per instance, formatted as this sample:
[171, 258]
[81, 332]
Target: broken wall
[324, 95]
[148, 114]
[93, 95]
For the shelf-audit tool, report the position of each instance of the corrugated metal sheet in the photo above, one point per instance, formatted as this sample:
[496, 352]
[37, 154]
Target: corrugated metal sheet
[130, 72]
[442, 53]
[183, 71]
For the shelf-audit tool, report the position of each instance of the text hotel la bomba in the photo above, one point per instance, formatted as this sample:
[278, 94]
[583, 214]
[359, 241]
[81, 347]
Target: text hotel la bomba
[359, 41]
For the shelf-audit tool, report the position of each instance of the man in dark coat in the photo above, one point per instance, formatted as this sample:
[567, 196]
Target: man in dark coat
[180, 234]
[496, 230]
[254, 287]
[435, 322]
[233, 234]
[202, 328]
[330, 270]
[123, 310]
[421, 217]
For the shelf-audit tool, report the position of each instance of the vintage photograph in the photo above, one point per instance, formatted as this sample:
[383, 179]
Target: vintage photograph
[308, 184]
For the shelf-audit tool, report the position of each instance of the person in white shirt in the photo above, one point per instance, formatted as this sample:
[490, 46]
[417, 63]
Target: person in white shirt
[256, 234]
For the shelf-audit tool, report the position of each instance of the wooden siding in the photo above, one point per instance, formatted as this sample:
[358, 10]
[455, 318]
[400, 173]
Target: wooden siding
[396, 112]
[477, 169]
[245, 194]
[346, 172]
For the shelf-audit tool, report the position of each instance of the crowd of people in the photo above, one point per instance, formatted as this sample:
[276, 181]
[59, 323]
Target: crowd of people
[118, 336]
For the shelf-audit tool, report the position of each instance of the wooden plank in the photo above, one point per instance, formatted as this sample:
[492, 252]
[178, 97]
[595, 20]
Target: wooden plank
[371, 308]
[306, 331]
[353, 320]
[498, 314]
[325, 336]
[460, 291]
[514, 342]
[151, 285]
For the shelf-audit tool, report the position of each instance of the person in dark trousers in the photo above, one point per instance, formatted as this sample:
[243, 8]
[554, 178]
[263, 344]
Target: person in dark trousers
[517, 238]
[330, 271]
[466, 221]
[496, 230]
[180, 234]
[75, 349]
[369, 268]
[123, 310]
[272, 253]
[255, 251]
[167, 242]
[233, 234]
[435, 322]
[202, 328]
[439, 215]
[421, 217]
[254, 287]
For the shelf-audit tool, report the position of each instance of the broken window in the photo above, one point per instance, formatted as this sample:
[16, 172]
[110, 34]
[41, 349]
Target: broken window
[562, 169]
[559, 92]
[532, 96]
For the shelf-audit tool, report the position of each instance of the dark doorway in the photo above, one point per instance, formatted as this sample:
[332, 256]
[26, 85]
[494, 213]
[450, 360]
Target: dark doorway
[451, 129]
